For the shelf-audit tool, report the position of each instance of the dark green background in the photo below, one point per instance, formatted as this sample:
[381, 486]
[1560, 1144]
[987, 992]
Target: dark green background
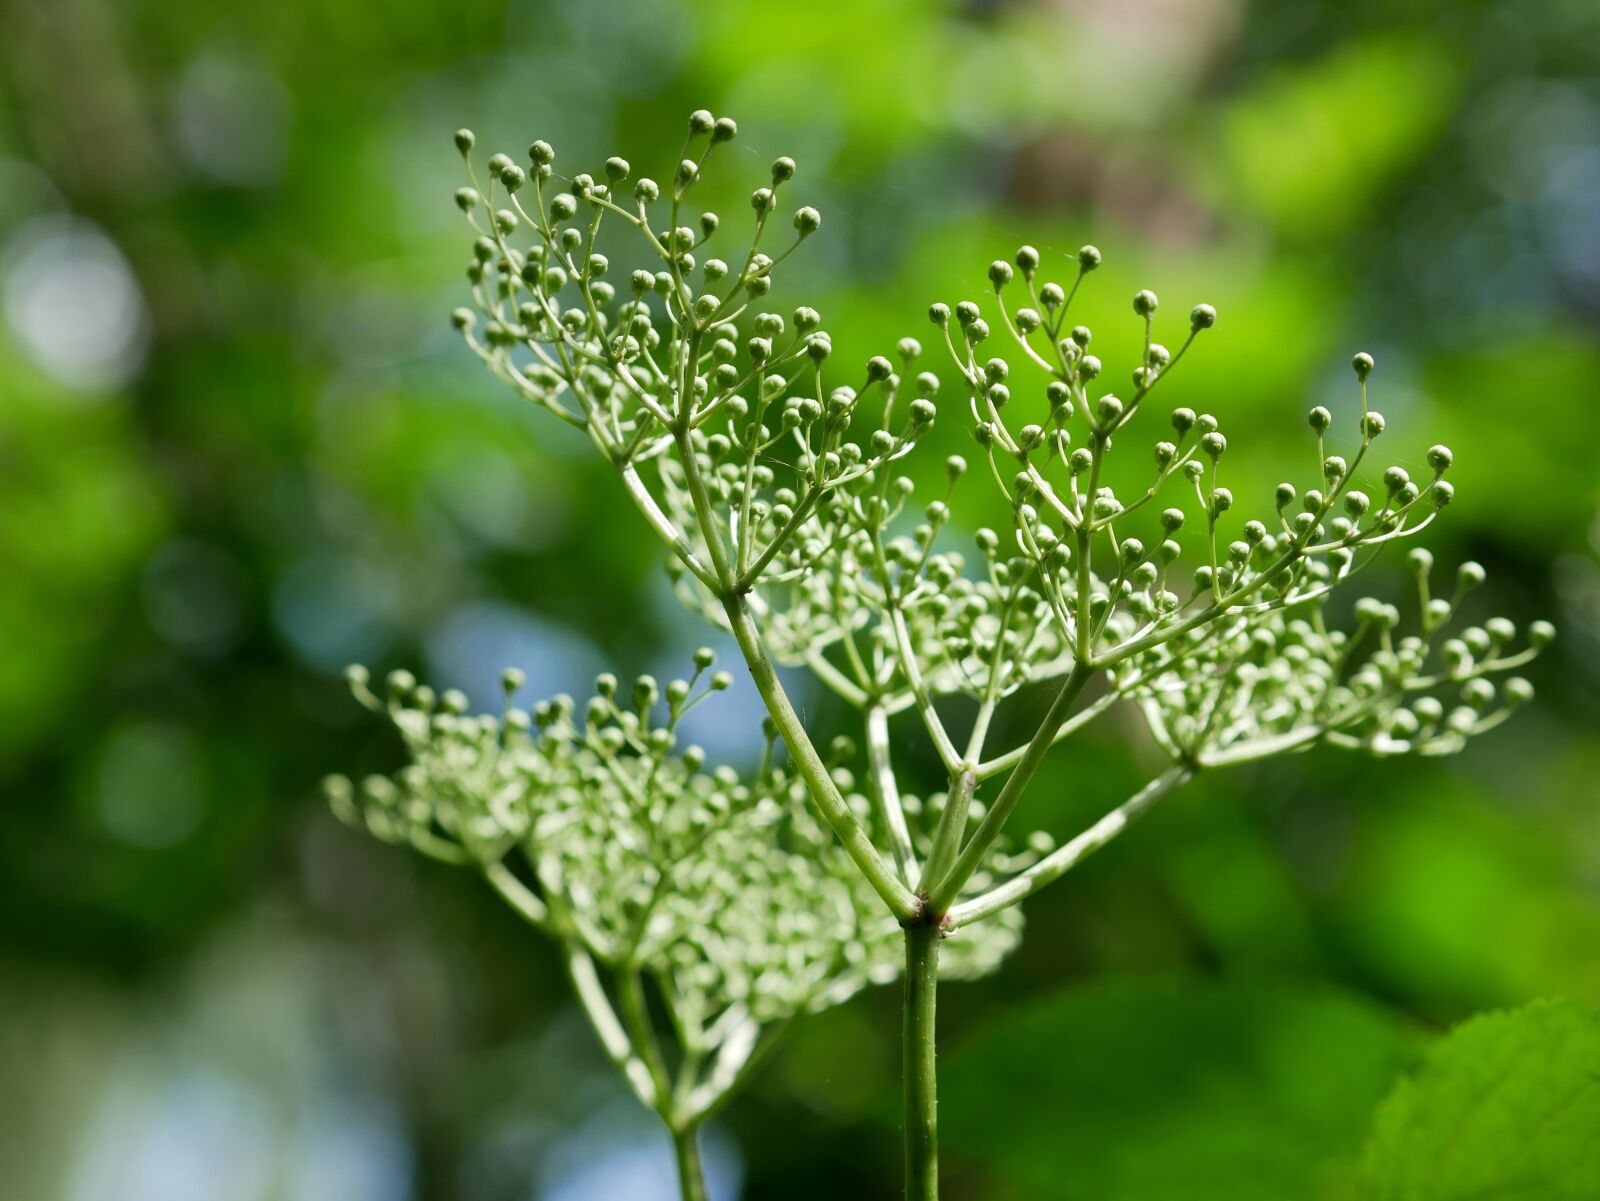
[239, 446]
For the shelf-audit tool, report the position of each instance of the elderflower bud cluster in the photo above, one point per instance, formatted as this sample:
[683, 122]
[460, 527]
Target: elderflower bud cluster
[791, 524]
[614, 839]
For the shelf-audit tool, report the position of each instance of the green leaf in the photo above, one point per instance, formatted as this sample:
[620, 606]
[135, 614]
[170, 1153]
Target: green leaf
[1507, 1108]
[1147, 1091]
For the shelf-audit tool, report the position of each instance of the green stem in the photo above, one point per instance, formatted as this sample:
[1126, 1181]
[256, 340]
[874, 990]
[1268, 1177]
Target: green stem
[921, 1084]
[691, 1173]
[824, 792]
[944, 891]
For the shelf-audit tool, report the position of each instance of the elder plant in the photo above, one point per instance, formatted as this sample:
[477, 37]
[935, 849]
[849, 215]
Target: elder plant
[780, 498]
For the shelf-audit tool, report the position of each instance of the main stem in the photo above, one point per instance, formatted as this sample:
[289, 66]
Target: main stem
[921, 1083]
[691, 1173]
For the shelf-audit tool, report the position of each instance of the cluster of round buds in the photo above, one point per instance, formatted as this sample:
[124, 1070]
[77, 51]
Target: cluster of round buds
[546, 321]
[729, 889]
[674, 345]
[1264, 682]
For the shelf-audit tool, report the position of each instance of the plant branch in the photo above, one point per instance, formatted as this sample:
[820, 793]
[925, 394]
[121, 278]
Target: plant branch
[1070, 854]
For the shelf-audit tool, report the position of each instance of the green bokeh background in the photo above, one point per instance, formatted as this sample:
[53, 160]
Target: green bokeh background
[239, 446]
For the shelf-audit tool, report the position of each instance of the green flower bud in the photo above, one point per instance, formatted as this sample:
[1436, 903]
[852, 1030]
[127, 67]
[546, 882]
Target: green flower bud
[807, 221]
[1470, 575]
[1088, 258]
[725, 130]
[1052, 296]
[1517, 691]
[1172, 520]
[466, 199]
[1145, 302]
[617, 169]
[1372, 425]
[646, 191]
[939, 313]
[999, 273]
[463, 319]
[1202, 316]
[1284, 495]
[562, 206]
[1027, 260]
[1440, 458]
[1320, 419]
[701, 121]
[1362, 363]
[465, 141]
[1088, 368]
[782, 170]
[1541, 634]
[1213, 444]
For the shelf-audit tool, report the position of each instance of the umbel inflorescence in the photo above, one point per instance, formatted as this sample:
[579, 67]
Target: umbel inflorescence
[726, 894]
[780, 498]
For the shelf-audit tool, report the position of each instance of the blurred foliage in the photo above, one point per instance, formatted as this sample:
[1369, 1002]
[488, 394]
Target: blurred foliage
[239, 446]
[1240, 1091]
[1506, 1106]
